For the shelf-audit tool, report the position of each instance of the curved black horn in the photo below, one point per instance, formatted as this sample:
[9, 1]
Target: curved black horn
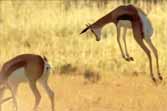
[85, 30]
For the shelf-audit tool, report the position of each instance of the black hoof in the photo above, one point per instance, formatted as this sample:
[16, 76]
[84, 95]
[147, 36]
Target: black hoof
[154, 80]
[131, 59]
[127, 59]
[160, 77]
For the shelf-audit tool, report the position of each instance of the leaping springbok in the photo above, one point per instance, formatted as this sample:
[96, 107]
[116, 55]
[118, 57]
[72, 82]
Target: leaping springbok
[129, 17]
[22, 68]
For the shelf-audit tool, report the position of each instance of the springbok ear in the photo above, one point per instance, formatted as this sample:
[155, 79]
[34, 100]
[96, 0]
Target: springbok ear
[84, 30]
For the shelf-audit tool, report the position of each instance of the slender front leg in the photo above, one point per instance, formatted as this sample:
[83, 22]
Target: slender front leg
[118, 40]
[36, 93]
[49, 92]
[147, 51]
[13, 92]
[155, 52]
[126, 50]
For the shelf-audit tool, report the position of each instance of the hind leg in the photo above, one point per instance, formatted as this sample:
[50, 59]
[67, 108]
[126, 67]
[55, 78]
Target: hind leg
[147, 52]
[36, 93]
[49, 92]
[155, 52]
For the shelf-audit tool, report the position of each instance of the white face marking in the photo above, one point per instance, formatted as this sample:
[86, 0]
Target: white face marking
[147, 27]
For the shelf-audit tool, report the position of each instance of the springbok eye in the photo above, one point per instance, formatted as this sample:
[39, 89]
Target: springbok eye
[47, 67]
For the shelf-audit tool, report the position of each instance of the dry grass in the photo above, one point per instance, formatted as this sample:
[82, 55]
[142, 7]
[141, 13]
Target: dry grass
[44, 27]
[114, 92]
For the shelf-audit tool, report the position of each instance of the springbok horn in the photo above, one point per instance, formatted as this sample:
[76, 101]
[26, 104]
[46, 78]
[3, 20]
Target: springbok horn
[85, 29]
[6, 99]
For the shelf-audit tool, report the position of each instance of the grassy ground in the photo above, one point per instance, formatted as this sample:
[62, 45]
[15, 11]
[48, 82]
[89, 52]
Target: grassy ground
[46, 28]
[114, 92]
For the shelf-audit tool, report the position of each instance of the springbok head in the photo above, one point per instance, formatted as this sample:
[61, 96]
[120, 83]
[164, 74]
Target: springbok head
[95, 30]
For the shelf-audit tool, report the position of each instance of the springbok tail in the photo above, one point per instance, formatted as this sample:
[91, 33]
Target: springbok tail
[47, 66]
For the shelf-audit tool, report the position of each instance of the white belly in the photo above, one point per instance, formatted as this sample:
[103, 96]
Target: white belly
[18, 76]
[124, 23]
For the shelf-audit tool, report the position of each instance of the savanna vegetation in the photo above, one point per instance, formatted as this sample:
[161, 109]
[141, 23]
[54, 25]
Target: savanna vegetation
[52, 28]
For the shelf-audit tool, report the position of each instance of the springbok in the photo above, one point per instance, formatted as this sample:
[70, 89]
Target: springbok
[23, 68]
[129, 17]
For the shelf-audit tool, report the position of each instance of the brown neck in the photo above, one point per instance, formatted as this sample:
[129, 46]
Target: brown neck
[103, 21]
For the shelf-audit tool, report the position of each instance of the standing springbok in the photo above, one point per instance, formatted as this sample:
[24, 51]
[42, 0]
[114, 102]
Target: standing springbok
[22, 68]
[129, 17]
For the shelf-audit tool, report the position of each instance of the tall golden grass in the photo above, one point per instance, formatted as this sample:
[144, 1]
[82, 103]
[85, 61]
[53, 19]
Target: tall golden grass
[46, 28]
